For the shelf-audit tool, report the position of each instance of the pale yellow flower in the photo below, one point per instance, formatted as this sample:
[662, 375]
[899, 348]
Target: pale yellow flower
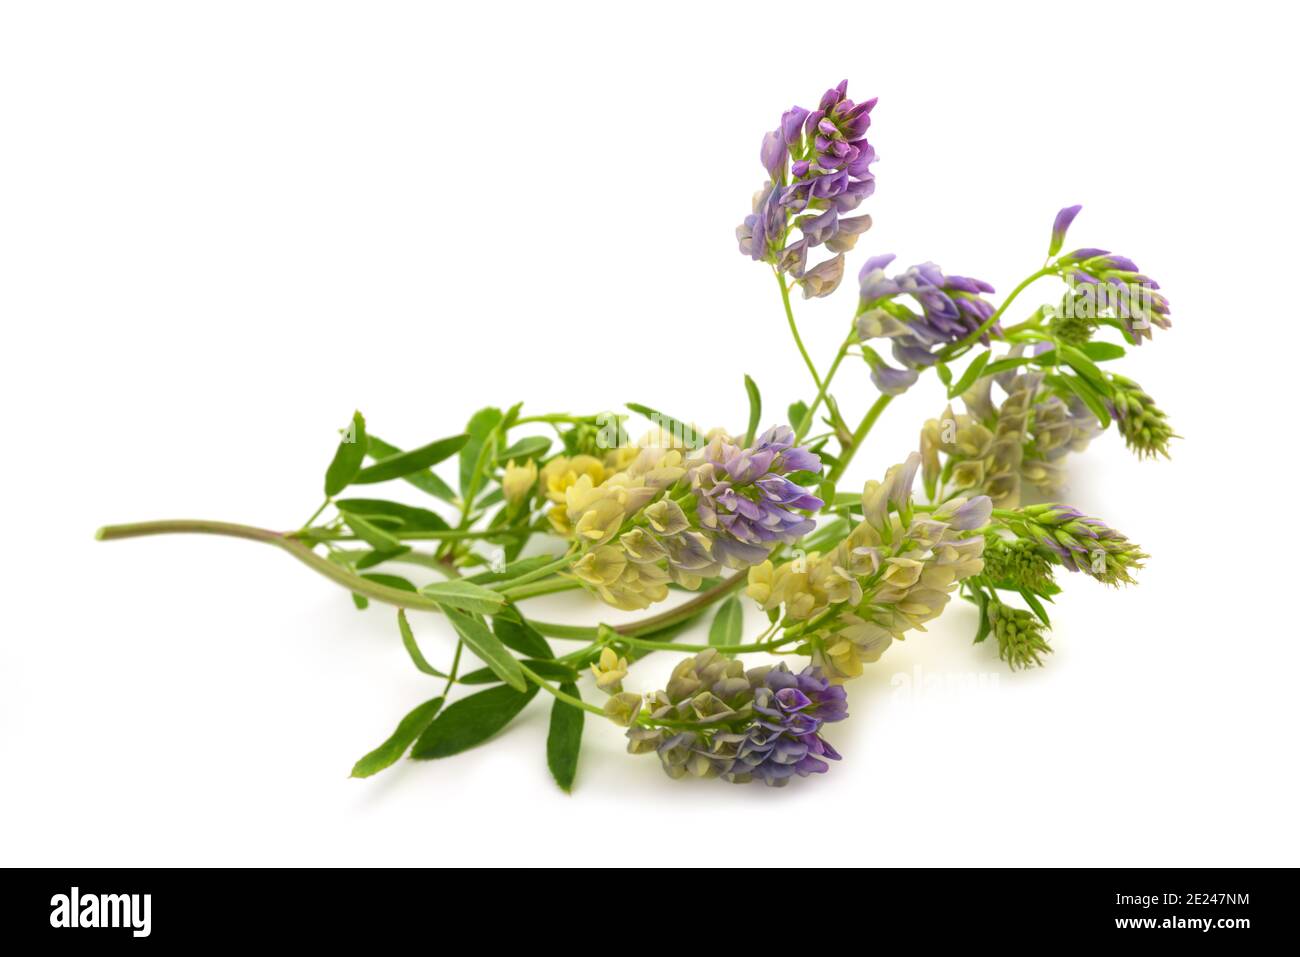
[759, 586]
[609, 671]
[561, 472]
[518, 481]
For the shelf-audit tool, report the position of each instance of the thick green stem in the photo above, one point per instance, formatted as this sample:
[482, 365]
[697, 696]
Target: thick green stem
[329, 535]
[405, 599]
[687, 609]
[646, 626]
[859, 436]
[331, 570]
[111, 533]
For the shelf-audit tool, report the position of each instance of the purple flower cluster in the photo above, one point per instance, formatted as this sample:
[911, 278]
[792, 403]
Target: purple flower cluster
[818, 163]
[761, 724]
[784, 739]
[952, 308]
[1082, 543]
[1110, 282]
[744, 499]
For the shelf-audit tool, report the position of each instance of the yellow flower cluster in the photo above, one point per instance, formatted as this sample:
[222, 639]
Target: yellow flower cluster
[994, 461]
[593, 499]
[893, 573]
[558, 476]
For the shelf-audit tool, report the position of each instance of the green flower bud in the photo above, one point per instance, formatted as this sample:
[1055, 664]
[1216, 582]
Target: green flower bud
[1072, 324]
[1143, 425]
[1019, 634]
[1016, 563]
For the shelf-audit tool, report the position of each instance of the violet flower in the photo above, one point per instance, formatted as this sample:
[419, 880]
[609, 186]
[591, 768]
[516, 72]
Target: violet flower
[952, 309]
[818, 166]
[1062, 223]
[744, 499]
[1107, 284]
[784, 739]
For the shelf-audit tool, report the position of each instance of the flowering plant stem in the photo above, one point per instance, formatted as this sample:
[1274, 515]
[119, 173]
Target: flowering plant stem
[860, 436]
[288, 542]
[794, 329]
[963, 346]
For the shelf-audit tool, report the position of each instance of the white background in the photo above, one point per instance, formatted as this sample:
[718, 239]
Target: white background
[224, 226]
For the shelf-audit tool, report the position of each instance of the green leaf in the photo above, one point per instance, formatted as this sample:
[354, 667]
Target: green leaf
[1032, 600]
[1007, 364]
[727, 623]
[1046, 359]
[408, 729]
[970, 375]
[755, 410]
[826, 491]
[408, 463]
[348, 457]
[480, 427]
[552, 670]
[372, 535]
[516, 633]
[412, 649]
[1086, 368]
[564, 740]
[1102, 351]
[531, 447]
[511, 417]
[796, 413]
[678, 428]
[943, 372]
[1079, 387]
[471, 721]
[377, 557]
[488, 647]
[464, 595]
[392, 581]
[426, 481]
[378, 511]
[361, 601]
[491, 498]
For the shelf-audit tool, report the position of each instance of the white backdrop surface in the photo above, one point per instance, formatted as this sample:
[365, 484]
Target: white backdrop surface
[224, 226]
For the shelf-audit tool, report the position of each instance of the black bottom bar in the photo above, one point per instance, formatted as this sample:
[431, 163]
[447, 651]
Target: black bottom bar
[368, 906]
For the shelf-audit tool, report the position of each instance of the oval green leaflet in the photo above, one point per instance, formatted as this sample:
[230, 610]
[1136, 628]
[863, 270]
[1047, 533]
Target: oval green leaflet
[488, 647]
[348, 457]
